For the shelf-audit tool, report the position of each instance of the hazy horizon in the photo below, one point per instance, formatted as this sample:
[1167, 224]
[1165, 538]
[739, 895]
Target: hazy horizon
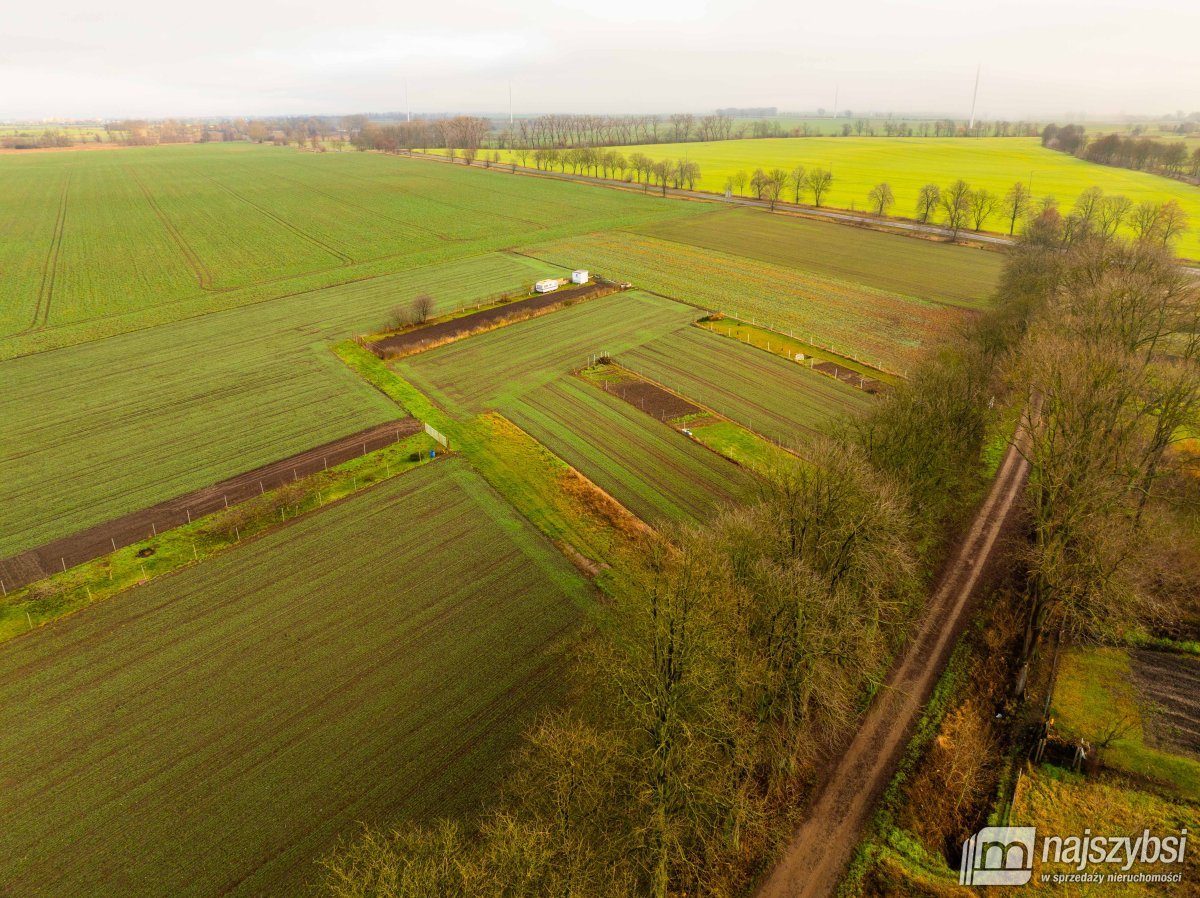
[135, 59]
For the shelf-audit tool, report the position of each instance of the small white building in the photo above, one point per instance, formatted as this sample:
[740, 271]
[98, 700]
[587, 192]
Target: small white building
[549, 285]
[579, 276]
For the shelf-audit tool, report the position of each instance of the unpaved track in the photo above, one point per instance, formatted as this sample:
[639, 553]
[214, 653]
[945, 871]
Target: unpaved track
[821, 847]
[34, 564]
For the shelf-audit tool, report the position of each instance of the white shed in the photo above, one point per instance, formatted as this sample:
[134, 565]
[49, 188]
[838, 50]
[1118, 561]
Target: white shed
[579, 276]
[549, 285]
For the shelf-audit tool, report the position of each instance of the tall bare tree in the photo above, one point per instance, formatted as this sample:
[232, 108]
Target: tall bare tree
[881, 198]
[819, 183]
[1016, 204]
[928, 200]
[956, 204]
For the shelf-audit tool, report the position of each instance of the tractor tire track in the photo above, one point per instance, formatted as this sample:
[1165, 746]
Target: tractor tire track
[812, 864]
[202, 271]
[336, 253]
[50, 266]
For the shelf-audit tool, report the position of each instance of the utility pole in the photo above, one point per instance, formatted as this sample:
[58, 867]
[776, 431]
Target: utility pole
[974, 97]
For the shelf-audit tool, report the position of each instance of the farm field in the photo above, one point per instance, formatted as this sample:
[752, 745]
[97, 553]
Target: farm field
[216, 731]
[99, 430]
[765, 393]
[123, 238]
[653, 470]
[956, 275]
[882, 327]
[907, 163]
[492, 369]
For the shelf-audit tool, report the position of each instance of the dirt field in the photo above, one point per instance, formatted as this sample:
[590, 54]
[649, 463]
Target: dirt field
[651, 398]
[846, 376]
[445, 331]
[1171, 685]
[19, 570]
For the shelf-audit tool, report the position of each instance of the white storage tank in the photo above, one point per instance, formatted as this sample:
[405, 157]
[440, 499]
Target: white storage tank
[579, 276]
[549, 285]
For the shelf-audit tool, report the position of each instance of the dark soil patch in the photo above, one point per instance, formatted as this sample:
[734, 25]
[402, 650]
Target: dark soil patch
[35, 564]
[847, 376]
[443, 332]
[1170, 684]
[652, 399]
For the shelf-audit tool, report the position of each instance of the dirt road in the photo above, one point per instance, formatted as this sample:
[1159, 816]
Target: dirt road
[821, 847]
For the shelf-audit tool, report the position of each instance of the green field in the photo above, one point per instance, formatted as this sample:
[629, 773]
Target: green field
[492, 369]
[98, 430]
[907, 163]
[107, 241]
[766, 394]
[216, 731]
[956, 275]
[886, 328]
[651, 469]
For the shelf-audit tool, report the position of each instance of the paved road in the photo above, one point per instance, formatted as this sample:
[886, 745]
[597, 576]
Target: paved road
[814, 861]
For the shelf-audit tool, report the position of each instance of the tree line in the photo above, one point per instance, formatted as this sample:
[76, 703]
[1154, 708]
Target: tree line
[1166, 157]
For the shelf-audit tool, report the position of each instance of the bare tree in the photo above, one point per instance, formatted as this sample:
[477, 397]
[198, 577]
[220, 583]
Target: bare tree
[1112, 214]
[422, 308]
[799, 182]
[1146, 221]
[740, 178]
[1172, 222]
[776, 184]
[819, 183]
[1016, 204]
[1087, 208]
[983, 204]
[927, 201]
[956, 204]
[881, 198]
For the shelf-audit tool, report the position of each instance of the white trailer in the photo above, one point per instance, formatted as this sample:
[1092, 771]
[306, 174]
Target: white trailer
[579, 276]
[549, 285]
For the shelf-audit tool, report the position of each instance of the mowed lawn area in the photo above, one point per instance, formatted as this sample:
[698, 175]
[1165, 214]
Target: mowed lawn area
[885, 328]
[956, 275]
[908, 163]
[104, 242]
[217, 731]
[95, 431]
[761, 391]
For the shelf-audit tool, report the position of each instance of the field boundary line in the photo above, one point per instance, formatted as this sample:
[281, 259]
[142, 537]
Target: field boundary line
[199, 268]
[50, 265]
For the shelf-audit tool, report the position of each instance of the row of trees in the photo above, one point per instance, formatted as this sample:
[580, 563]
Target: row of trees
[1111, 371]
[1167, 157]
[778, 183]
[1094, 212]
[463, 133]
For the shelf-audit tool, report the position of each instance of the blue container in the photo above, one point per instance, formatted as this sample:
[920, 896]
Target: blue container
[433, 453]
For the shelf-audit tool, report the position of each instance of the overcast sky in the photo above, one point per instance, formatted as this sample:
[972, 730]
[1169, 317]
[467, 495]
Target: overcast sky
[153, 58]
